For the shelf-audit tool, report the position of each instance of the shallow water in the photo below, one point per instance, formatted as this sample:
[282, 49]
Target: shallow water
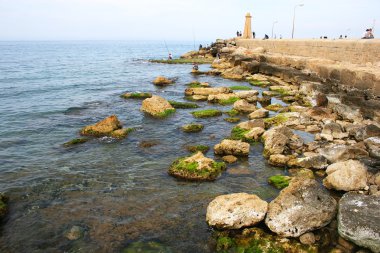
[117, 191]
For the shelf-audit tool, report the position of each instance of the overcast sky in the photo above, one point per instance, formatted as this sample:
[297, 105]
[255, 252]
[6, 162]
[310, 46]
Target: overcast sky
[181, 19]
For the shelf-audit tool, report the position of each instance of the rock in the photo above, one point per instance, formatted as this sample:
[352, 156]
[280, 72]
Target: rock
[74, 233]
[146, 247]
[278, 160]
[258, 114]
[279, 181]
[244, 107]
[198, 98]
[157, 107]
[121, 133]
[162, 81]
[195, 148]
[229, 158]
[346, 244]
[312, 129]
[192, 128]
[207, 91]
[137, 95]
[321, 100]
[207, 113]
[102, 128]
[3, 205]
[274, 107]
[334, 130]
[248, 125]
[373, 146]
[319, 114]
[232, 147]
[362, 133]
[359, 219]
[311, 162]
[223, 99]
[254, 134]
[307, 239]
[301, 207]
[303, 173]
[268, 93]
[259, 50]
[246, 94]
[232, 119]
[347, 113]
[341, 153]
[75, 141]
[350, 175]
[237, 210]
[280, 140]
[196, 168]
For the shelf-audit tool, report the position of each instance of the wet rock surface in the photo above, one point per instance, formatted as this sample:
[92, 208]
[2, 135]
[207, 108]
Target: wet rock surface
[157, 107]
[232, 147]
[359, 219]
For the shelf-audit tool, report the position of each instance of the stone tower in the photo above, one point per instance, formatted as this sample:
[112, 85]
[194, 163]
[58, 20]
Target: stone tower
[247, 28]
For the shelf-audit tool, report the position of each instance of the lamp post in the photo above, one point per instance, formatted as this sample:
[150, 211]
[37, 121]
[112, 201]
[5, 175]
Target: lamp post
[275, 22]
[294, 17]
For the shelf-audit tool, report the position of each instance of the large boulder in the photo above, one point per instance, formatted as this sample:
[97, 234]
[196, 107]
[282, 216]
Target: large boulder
[373, 146]
[162, 81]
[346, 112]
[157, 107]
[244, 107]
[340, 153]
[103, 128]
[310, 162]
[359, 219]
[196, 168]
[237, 210]
[232, 147]
[301, 207]
[350, 175]
[206, 91]
[280, 140]
[223, 98]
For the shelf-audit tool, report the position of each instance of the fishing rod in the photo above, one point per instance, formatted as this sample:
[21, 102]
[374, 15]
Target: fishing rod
[166, 47]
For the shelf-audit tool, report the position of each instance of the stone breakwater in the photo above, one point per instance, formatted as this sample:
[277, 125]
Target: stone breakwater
[345, 153]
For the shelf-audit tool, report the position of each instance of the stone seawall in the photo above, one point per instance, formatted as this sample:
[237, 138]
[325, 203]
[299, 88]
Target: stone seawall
[353, 51]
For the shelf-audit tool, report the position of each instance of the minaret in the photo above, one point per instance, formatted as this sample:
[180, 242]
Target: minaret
[247, 28]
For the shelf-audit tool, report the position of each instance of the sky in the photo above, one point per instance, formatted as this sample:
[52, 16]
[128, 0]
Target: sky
[182, 20]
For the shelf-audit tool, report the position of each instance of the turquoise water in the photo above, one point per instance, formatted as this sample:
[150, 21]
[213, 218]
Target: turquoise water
[117, 191]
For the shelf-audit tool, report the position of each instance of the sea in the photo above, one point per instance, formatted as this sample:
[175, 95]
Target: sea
[118, 192]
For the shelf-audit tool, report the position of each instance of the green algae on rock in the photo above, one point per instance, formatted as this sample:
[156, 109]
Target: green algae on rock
[207, 113]
[259, 83]
[238, 133]
[165, 113]
[274, 107]
[196, 148]
[121, 133]
[228, 101]
[256, 240]
[196, 168]
[232, 119]
[183, 105]
[102, 128]
[276, 120]
[240, 87]
[75, 141]
[146, 247]
[137, 95]
[162, 81]
[192, 128]
[157, 107]
[232, 112]
[279, 181]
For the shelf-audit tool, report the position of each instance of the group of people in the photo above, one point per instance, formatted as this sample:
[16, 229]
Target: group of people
[239, 34]
[368, 34]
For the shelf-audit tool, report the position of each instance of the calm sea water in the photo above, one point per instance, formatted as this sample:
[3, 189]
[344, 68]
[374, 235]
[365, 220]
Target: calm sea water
[117, 191]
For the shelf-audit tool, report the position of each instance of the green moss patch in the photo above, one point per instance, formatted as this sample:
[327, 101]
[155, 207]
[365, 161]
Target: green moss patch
[240, 88]
[183, 105]
[279, 181]
[192, 128]
[256, 240]
[191, 171]
[276, 120]
[196, 148]
[137, 95]
[232, 112]
[75, 141]
[232, 120]
[207, 113]
[259, 83]
[274, 107]
[238, 133]
[165, 113]
[121, 133]
[146, 247]
[185, 61]
[229, 101]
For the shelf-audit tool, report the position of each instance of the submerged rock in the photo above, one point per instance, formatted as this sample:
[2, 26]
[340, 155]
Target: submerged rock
[232, 147]
[74, 233]
[105, 127]
[207, 113]
[137, 95]
[359, 219]
[146, 247]
[279, 181]
[301, 207]
[3, 205]
[162, 81]
[229, 158]
[183, 105]
[75, 141]
[237, 210]
[196, 168]
[350, 175]
[157, 107]
[192, 128]
[195, 148]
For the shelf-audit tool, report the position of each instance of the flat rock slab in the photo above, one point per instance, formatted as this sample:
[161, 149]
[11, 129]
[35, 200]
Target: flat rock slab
[359, 220]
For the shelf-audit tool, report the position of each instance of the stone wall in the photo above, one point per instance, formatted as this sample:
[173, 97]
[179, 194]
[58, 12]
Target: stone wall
[353, 51]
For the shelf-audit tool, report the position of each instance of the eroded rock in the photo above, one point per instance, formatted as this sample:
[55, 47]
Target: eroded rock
[157, 107]
[232, 147]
